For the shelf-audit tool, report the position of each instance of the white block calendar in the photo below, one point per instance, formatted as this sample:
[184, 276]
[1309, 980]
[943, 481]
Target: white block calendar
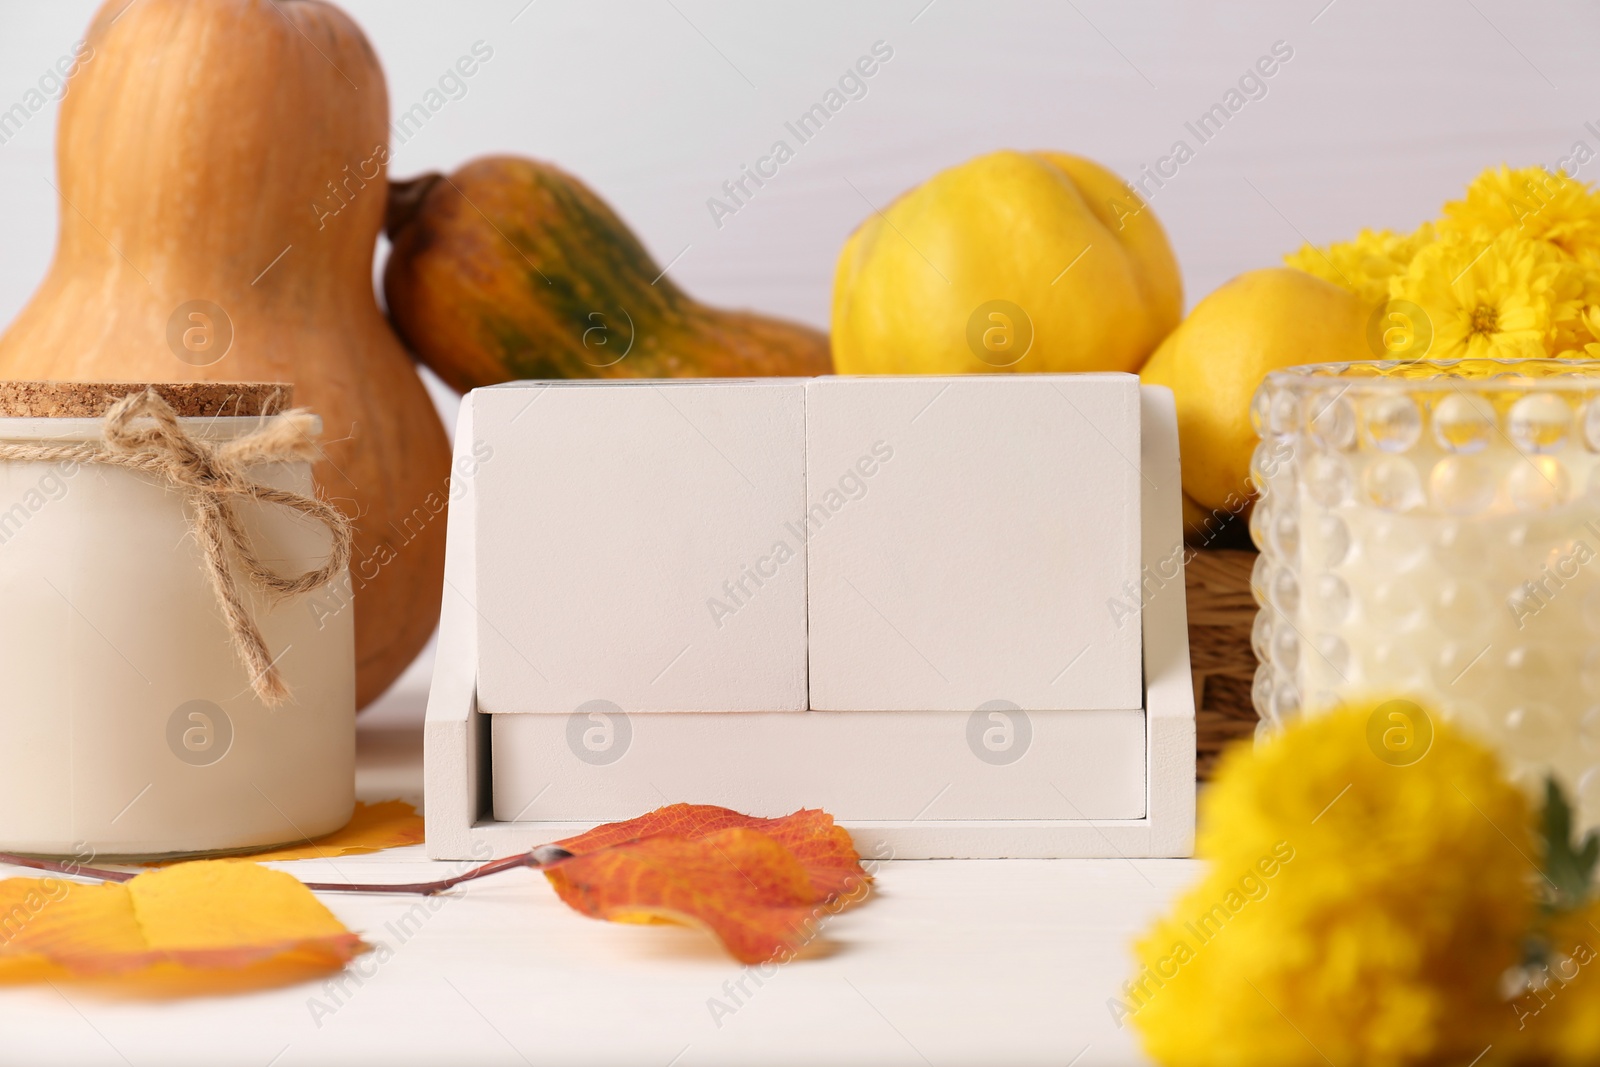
[920, 603]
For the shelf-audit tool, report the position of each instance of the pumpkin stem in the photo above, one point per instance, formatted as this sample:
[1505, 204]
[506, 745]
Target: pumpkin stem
[405, 200]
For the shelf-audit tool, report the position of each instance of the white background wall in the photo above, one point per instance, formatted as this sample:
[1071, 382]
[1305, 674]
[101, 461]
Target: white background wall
[1384, 111]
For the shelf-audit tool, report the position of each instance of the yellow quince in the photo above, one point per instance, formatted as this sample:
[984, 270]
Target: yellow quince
[1258, 322]
[1011, 262]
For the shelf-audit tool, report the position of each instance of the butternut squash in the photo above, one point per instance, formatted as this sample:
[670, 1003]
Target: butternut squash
[222, 171]
[511, 268]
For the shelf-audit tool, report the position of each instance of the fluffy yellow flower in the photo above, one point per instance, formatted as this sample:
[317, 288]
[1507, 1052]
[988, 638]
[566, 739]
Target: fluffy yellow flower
[1576, 311]
[1500, 300]
[1556, 1015]
[1511, 270]
[1354, 911]
[1364, 265]
[1535, 204]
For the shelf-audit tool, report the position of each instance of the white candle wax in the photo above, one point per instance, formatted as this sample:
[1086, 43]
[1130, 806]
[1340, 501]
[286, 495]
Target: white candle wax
[128, 721]
[1440, 542]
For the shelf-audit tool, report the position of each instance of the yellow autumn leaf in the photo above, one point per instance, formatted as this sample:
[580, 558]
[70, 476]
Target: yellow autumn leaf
[373, 828]
[212, 925]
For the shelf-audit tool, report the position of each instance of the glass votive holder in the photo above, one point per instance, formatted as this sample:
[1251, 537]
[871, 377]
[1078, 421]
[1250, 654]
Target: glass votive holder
[1430, 531]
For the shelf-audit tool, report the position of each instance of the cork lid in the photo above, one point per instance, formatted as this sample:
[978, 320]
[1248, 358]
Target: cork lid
[90, 400]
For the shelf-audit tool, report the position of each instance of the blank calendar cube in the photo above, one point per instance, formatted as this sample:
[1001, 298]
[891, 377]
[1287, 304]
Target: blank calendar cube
[974, 539]
[643, 546]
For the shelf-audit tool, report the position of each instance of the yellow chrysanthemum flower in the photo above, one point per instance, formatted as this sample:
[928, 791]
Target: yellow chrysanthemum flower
[1513, 268]
[1354, 910]
[1555, 1017]
[1365, 264]
[1499, 300]
[1576, 311]
[1532, 202]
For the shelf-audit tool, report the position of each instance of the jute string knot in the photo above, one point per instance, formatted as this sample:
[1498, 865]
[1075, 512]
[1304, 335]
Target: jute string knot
[143, 433]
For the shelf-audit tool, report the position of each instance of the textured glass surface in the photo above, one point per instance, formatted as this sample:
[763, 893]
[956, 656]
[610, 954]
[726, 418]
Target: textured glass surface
[1432, 531]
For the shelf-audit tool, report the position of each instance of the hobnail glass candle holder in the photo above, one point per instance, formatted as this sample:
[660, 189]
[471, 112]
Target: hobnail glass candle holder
[1430, 531]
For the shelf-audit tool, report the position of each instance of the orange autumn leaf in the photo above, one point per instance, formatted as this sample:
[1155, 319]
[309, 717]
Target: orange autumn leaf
[761, 886]
[192, 920]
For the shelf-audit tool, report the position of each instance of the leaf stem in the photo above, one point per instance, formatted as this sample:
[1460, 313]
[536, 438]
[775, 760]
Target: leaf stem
[69, 867]
[542, 857]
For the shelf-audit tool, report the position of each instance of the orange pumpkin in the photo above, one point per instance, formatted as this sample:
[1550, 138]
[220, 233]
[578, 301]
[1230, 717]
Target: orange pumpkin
[222, 170]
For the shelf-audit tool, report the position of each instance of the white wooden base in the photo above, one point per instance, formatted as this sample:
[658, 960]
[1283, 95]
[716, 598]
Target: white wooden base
[1072, 764]
[1130, 802]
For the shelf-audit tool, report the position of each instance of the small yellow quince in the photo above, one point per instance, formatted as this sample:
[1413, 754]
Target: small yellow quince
[1258, 322]
[1011, 262]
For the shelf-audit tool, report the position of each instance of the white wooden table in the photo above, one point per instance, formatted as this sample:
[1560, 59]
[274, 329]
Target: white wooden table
[987, 963]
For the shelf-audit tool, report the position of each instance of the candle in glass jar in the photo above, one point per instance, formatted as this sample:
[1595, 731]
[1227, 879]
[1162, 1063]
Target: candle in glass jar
[1431, 531]
[131, 726]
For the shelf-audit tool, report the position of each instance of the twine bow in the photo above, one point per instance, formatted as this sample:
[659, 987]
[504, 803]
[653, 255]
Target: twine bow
[212, 477]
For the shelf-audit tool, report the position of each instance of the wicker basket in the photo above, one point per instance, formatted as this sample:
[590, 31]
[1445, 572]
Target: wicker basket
[1221, 613]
